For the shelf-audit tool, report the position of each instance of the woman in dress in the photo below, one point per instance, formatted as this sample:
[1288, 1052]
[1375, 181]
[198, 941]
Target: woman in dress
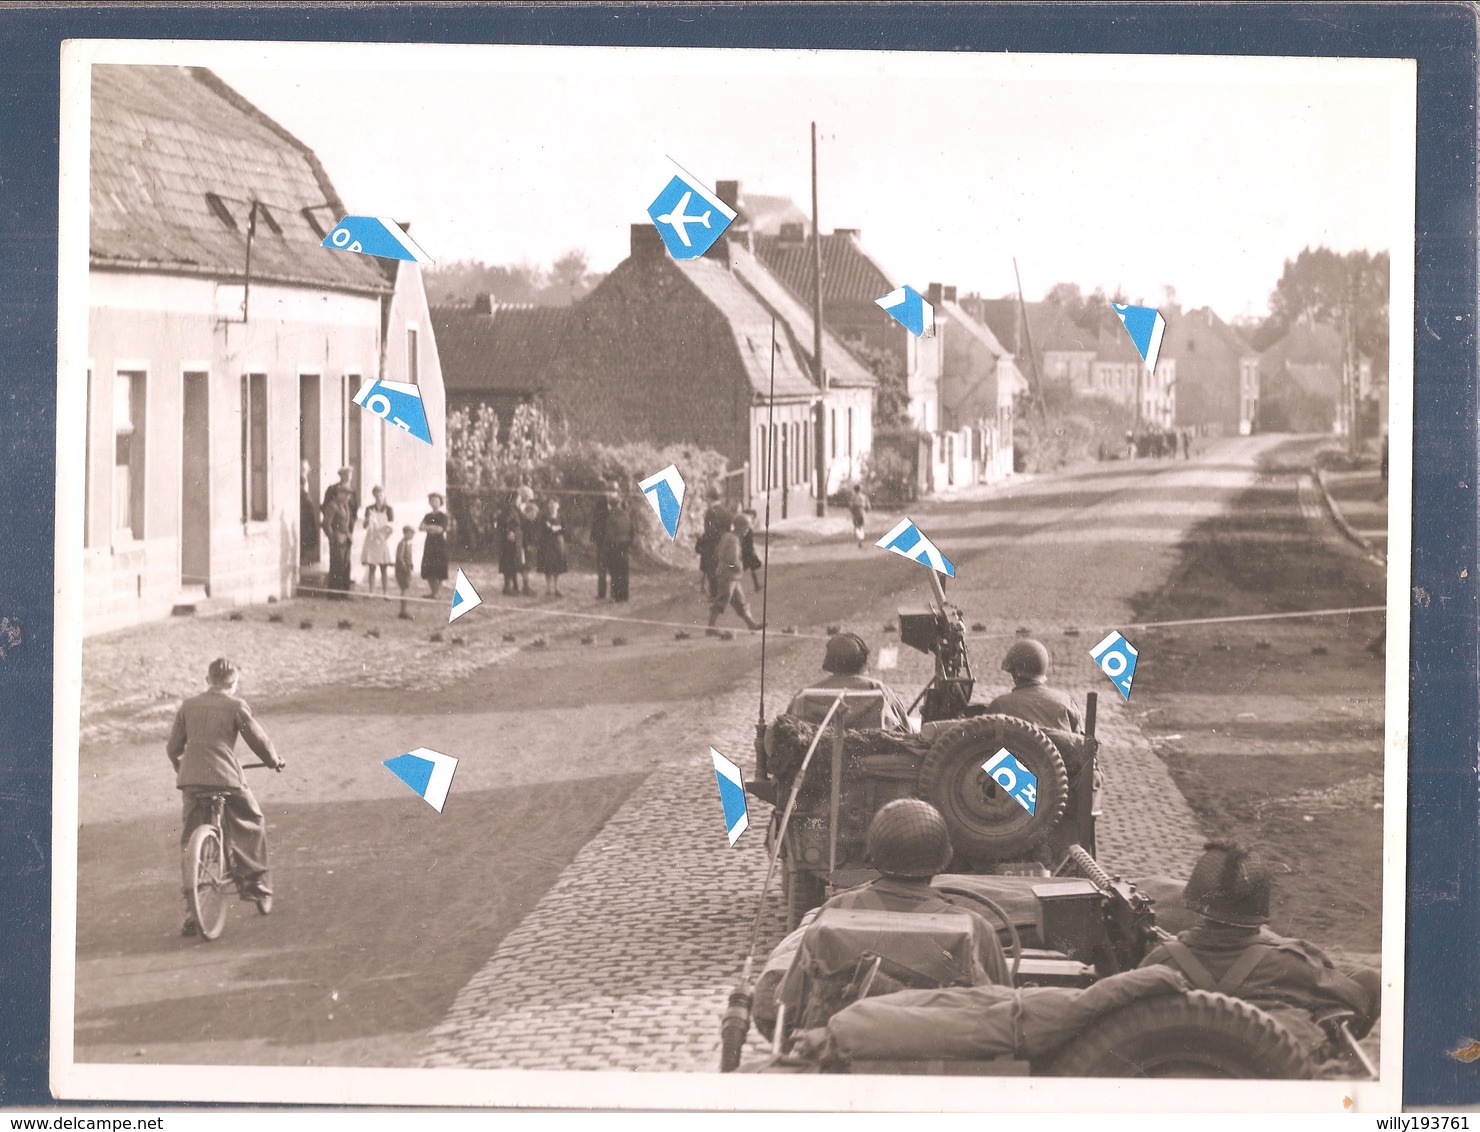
[552, 547]
[378, 529]
[434, 552]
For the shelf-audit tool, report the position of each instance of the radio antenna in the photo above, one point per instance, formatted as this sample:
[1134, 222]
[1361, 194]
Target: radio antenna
[766, 565]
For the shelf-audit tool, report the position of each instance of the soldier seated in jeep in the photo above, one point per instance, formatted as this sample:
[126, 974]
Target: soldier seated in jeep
[1231, 950]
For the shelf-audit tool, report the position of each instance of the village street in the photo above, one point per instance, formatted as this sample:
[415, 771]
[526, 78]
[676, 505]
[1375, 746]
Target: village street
[576, 905]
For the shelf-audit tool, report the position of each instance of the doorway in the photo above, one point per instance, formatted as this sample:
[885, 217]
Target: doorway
[195, 483]
[308, 453]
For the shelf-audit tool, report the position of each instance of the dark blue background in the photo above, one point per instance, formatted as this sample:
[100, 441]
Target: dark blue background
[1443, 962]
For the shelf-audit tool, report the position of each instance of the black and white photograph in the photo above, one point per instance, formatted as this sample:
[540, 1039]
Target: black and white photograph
[717, 578]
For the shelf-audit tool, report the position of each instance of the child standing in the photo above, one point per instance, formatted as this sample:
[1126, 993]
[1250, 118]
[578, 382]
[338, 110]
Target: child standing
[552, 547]
[403, 566]
[857, 505]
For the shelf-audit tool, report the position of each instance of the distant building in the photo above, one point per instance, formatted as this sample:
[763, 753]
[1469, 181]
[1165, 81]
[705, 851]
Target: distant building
[496, 354]
[978, 380]
[206, 386]
[1217, 374]
[1301, 381]
[1104, 364]
[679, 352]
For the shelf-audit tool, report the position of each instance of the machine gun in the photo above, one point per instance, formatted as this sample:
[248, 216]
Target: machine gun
[938, 629]
[1105, 921]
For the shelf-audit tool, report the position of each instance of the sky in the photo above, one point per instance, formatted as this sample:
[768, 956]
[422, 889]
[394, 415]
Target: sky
[1193, 175]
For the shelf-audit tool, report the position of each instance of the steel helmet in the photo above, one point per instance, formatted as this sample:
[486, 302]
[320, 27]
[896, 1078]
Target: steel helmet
[908, 838]
[221, 671]
[1229, 885]
[1026, 658]
[847, 654]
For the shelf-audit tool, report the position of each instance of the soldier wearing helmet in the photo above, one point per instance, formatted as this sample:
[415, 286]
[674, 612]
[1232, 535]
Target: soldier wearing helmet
[202, 749]
[1230, 949]
[908, 843]
[846, 661]
[1031, 698]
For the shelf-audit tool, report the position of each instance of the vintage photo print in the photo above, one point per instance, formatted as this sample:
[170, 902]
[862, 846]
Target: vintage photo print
[613, 577]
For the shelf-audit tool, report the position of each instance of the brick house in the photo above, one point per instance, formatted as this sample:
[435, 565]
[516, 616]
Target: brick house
[205, 385]
[1217, 374]
[679, 352]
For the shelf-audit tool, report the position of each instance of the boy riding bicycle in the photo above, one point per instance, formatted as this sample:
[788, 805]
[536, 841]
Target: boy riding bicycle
[202, 750]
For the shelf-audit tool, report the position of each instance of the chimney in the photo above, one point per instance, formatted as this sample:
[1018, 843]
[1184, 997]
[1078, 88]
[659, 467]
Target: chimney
[484, 303]
[729, 192]
[855, 233]
[791, 232]
[933, 294]
[646, 242]
[949, 294]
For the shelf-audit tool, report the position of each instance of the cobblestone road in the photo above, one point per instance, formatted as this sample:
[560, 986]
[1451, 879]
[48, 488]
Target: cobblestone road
[628, 960]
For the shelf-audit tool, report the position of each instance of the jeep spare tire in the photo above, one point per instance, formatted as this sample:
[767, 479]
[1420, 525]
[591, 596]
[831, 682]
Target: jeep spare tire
[1198, 1034]
[981, 807]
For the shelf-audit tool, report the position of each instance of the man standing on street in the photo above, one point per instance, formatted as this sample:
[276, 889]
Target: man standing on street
[618, 545]
[339, 509]
[599, 512]
[717, 520]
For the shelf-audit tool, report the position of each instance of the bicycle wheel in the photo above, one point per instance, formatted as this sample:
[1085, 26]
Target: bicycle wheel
[205, 870]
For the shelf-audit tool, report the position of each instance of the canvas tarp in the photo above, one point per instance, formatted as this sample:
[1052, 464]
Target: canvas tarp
[985, 1021]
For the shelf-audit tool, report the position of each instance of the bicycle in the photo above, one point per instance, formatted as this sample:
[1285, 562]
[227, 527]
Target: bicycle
[206, 863]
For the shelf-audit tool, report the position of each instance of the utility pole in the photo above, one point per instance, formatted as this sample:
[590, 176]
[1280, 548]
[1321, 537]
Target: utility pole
[819, 429]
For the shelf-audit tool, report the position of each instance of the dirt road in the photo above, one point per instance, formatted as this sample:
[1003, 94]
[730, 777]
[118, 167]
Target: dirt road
[388, 910]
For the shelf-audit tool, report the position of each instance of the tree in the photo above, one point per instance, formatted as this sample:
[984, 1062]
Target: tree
[1319, 285]
[892, 395]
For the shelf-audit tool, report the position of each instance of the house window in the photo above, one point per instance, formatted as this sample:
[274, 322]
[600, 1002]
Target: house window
[254, 447]
[221, 212]
[412, 357]
[349, 440]
[834, 414]
[128, 454]
[759, 465]
[773, 462]
[850, 432]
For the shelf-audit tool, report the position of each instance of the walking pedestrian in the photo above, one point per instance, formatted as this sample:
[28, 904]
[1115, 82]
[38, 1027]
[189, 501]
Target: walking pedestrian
[404, 565]
[729, 590]
[436, 524]
[379, 526]
[511, 548]
[717, 520]
[745, 528]
[552, 547]
[857, 505]
[599, 512]
[619, 546]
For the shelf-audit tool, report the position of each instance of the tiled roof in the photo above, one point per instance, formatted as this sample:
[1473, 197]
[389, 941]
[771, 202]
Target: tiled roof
[506, 351]
[849, 274]
[1050, 327]
[750, 323]
[163, 138]
[843, 369]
